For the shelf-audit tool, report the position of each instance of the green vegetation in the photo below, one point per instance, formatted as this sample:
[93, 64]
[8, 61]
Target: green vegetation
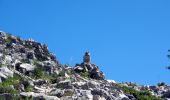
[25, 61]
[36, 62]
[38, 73]
[28, 46]
[139, 95]
[28, 88]
[85, 75]
[2, 65]
[68, 93]
[5, 87]
[9, 38]
[11, 86]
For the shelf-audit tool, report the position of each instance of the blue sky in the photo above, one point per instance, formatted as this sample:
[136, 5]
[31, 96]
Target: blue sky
[128, 39]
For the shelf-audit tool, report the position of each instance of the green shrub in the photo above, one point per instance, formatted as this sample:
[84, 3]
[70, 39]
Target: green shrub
[38, 73]
[68, 93]
[6, 89]
[12, 81]
[28, 46]
[139, 95]
[8, 40]
[28, 88]
[85, 75]
[25, 61]
[62, 73]
[2, 65]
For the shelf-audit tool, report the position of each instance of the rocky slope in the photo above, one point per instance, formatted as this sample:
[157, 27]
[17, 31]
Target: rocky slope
[29, 71]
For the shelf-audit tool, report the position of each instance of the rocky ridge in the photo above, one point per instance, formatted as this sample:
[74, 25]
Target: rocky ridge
[28, 70]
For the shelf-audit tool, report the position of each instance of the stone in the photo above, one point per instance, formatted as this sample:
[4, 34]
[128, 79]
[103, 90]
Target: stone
[57, 92]
[90, 84]
[111, 81]
[22, 50]
[84, 95]
[97, 97]
[86, 58]
[96, 74]
[8, 59]
[5, 73]
[30, 55]
[37, 96]
[78, 84]
[65, 84]
[6, 96]
[40, 82]
[131, 97]
[102, 93]
[166, 94]
[153, 88]
[21, 87]
[78, 69]
[27, 67]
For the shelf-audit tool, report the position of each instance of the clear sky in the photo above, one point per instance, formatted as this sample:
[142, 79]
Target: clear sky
[128, 39]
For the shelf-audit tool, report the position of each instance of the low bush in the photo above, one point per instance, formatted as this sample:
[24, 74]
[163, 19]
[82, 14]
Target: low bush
[139, 95]
[5, 86]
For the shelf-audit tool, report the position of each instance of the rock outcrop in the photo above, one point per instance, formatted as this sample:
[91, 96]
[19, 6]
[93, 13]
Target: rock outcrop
[29, 71]
[92, 70]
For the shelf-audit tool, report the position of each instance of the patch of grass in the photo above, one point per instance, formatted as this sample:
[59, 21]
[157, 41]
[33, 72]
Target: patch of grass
[6, 89]
[85, 75]
[29, 88]
[68, 93]
[25, 61]
[62, 73]
[38, 73]
[12, 81]
[53, 78]
[36, 62]
[9, 38]
[139, 95]
[2, 65]
[28, 46]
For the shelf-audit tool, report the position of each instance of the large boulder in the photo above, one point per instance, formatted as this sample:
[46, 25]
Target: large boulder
[102, 93]
[84, 95]
[92, 69]
[37, 96]
[27, 67]
[57, 92]
[40, 82]
[90, 84]
[5, 73]
[65, 84]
